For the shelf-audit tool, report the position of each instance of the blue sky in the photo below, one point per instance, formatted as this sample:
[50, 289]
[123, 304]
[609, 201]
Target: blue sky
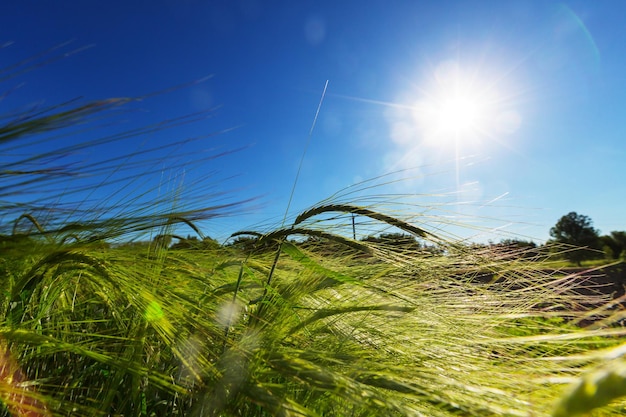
[504, 115]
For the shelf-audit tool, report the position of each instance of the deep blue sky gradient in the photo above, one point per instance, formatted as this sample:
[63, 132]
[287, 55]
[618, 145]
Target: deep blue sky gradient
[558, 67]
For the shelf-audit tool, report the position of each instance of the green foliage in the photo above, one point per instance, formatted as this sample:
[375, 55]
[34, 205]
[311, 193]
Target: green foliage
[616, 244]
[154, 331]
[597, 388]
[576, 231]
[192, 242]
[398, 240]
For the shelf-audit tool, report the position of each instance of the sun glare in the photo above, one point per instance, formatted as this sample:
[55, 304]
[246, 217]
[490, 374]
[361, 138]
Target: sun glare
[456, 107]
[458, 114]
[452, 112]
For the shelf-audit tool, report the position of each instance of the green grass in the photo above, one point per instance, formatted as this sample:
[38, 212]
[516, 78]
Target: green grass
[131, 330]
[303, 321]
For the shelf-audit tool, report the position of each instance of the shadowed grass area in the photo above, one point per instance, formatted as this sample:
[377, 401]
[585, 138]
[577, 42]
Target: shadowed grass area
[304, 321]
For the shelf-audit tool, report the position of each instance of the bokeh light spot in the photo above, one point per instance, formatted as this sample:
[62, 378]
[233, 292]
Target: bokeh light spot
[315, 30]
[154, 312]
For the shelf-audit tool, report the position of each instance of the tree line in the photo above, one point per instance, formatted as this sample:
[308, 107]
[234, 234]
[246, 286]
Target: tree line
[573, 237]
[584, 241]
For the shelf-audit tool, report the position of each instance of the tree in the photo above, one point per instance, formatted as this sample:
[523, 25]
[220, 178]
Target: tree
[162, 241]
[576, 230]
[615, 242]
[518, 247]
[193, 243]
[397, 240]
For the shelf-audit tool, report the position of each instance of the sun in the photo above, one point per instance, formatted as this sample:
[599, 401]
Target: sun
[454, 109]
[456, 106]
[458, 114]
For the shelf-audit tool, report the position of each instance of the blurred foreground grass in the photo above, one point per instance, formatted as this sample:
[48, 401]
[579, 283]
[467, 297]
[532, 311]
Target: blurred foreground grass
[95, 329]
